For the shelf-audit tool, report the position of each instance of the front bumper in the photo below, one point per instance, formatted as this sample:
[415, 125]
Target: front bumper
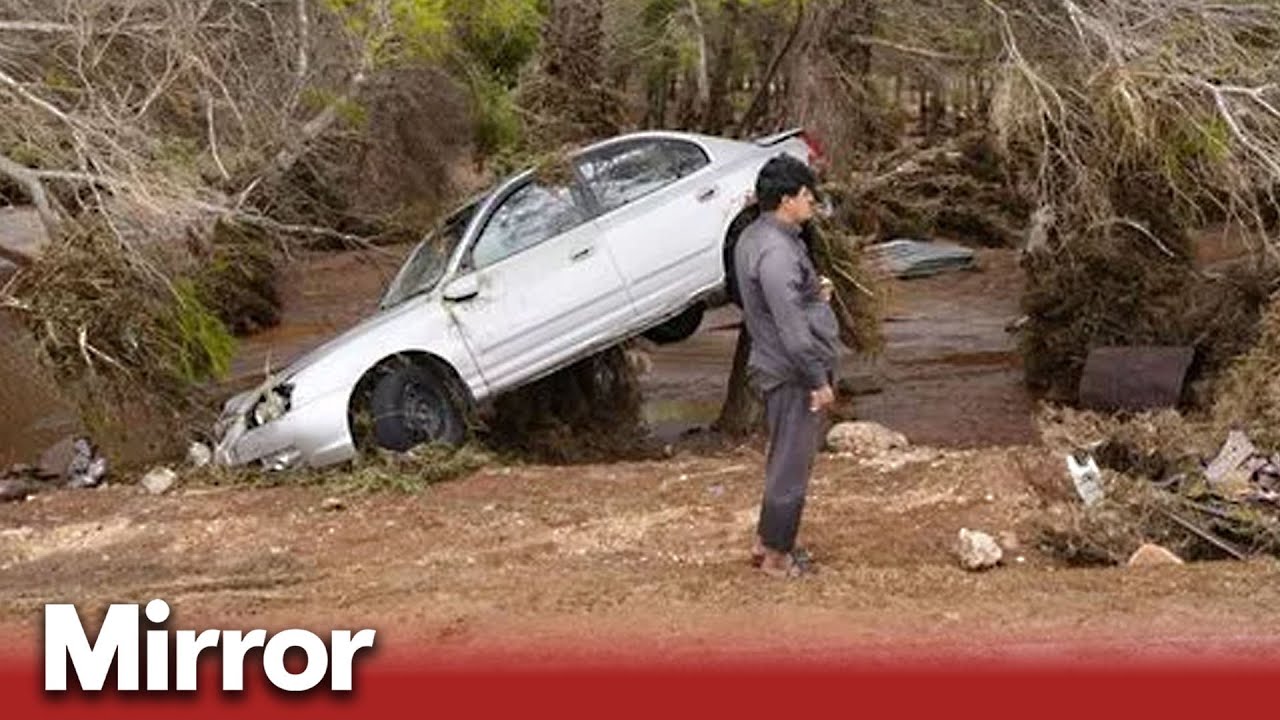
[313, 434]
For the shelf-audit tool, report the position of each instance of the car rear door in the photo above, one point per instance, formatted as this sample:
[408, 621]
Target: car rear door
[662, 214]
[545, 285]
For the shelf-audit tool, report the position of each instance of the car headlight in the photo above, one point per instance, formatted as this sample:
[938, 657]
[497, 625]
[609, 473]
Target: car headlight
[272, 406]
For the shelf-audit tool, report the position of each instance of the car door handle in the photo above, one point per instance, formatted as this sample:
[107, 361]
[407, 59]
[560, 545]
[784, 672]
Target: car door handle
[582, 254]
[706, 194]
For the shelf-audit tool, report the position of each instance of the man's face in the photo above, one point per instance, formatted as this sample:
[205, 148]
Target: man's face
[799, 208]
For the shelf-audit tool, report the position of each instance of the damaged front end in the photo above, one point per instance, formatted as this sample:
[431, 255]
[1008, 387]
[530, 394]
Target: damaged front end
[270, 427]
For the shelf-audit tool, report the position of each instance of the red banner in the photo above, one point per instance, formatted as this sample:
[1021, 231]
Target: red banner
[525, 685]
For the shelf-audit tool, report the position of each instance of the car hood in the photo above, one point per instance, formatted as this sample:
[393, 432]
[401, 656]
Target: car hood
[332, 364]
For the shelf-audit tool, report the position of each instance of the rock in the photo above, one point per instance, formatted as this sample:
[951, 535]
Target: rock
[1152, 554]
[159, 480]
[865, 438]
[199, 455]
[15, 489]
[1009, 541]
[978, 550]
[55, 460]
[333, 503]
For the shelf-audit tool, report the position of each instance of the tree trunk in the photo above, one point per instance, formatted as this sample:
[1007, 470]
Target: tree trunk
[742, 411]
[718, 112]
[760, 103]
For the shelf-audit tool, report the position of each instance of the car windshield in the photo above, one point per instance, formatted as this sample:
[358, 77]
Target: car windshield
[427, 264]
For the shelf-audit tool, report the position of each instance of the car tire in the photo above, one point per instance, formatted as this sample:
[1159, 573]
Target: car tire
[679, 327]
[411, 406]
[740, 223]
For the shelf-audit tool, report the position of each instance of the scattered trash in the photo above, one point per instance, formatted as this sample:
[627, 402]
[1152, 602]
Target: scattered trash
[158, 480]
[1235, 452]
[1134, 378]
[978, 550]
[1086, 477]
[905, 258]
[1206, 535]
[333, 504]
[864, 438]
[199, 455]
[1151, 554]
[87, 467]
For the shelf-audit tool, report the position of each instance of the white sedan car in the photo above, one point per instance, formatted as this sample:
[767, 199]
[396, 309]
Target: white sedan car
[524, 280]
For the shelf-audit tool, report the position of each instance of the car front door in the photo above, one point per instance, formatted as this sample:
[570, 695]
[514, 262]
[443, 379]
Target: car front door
[544, 287]
[662, 214]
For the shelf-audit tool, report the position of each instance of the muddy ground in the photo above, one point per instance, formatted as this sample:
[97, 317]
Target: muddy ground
[617, 557]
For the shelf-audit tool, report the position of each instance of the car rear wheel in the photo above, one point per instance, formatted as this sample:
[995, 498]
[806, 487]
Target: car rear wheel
[679, 327]
[412, 406]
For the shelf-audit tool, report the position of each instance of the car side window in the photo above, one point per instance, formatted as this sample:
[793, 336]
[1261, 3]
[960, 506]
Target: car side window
[687, 157]
[532, 214]
[619, 174]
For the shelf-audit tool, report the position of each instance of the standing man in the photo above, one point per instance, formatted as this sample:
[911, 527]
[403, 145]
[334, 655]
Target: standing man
[794, 345]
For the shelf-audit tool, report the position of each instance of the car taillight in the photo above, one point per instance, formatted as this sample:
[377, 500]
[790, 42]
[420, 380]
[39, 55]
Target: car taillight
[816, 153]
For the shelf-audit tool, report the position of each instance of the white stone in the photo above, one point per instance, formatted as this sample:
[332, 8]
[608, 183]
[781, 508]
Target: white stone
[865, 438]
[1152, 554]
[978, 550]
[199, 454]
[159, 480]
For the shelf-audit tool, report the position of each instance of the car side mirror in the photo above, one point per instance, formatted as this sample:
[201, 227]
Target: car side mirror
[462, 288]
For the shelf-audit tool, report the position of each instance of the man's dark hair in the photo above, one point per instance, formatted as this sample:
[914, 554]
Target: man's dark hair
[781, 177]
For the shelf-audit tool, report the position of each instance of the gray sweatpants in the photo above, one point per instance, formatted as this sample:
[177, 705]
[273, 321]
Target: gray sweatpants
[794, 434]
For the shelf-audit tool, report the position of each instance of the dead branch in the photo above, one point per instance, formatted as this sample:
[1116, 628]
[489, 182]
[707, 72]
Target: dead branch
[913, 50]
[30, 182]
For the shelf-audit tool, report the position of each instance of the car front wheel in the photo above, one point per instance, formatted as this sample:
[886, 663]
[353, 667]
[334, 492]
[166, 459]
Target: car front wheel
[411, 406]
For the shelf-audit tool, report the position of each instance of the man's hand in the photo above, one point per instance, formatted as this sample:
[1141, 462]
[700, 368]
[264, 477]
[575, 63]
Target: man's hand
[826, 288]
[821, 399]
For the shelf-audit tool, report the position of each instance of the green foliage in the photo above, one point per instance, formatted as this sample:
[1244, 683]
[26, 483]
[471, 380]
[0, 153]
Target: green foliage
[396, 31]
[498, 129]
[200, 345]
[499, 35]
[374, 472]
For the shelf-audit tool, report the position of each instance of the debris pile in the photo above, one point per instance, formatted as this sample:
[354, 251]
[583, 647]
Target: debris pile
[1124, 290]
[1153, 478]
[959, 189]
[1248, 397]
[588, 411]
[73, 462]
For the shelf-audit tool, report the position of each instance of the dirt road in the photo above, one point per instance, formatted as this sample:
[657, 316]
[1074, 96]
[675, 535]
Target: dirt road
[652, 555]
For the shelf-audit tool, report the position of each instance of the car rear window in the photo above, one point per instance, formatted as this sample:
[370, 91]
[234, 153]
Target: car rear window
[621, 173]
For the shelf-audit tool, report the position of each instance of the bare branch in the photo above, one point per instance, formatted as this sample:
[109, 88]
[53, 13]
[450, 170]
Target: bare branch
[913, 50]
[304, 39]
[30, 181]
